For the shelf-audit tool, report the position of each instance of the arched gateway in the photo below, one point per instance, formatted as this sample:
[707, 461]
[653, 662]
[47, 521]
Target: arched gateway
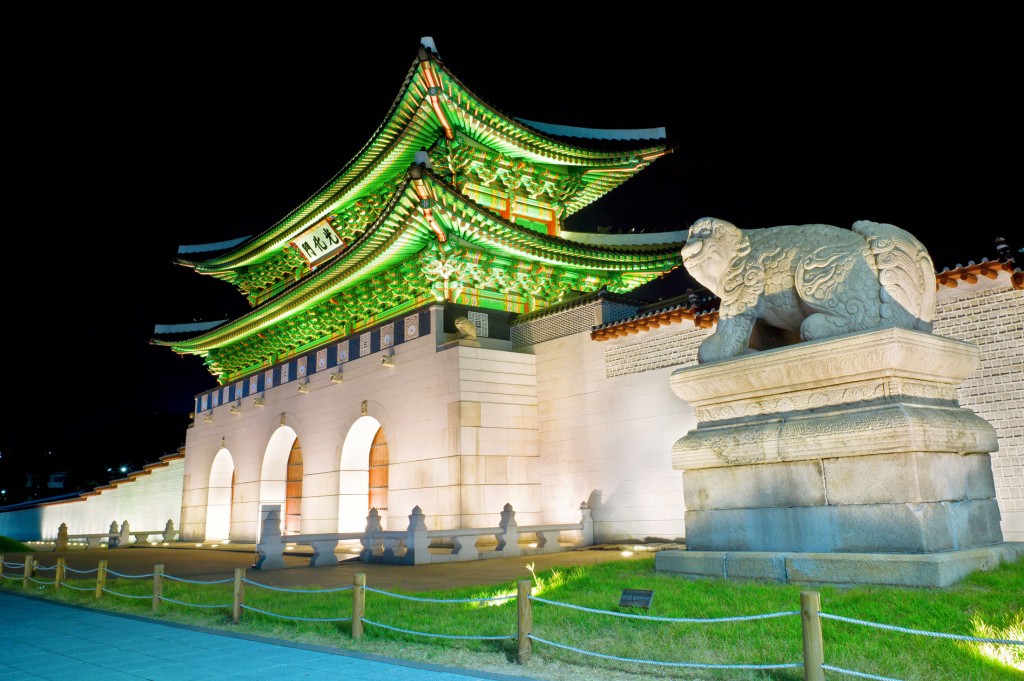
[281, 477]
[364, 474]
[220, 496]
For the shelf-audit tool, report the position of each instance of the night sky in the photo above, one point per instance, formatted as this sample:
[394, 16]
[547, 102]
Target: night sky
[132, 130]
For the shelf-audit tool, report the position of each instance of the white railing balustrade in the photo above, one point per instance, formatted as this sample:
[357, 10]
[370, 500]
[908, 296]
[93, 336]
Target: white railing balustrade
[115, 536]
[412, 546]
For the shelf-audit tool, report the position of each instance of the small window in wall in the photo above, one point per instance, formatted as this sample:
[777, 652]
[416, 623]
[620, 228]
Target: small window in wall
[379, 472]
[479, 320]
[293, 495]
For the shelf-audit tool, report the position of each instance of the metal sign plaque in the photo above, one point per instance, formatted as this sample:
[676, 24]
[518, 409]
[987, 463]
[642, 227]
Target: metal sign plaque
[636, 598]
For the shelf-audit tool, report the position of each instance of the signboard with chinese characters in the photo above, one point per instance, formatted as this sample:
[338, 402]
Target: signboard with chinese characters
[318, 242]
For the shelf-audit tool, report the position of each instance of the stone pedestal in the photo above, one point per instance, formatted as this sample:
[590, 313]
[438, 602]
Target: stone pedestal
[849, 445]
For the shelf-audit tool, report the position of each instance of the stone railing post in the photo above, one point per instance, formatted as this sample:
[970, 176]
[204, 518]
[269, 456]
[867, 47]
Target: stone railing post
[508, 538]
[125, 539]
[587, 521]
[62, 538]
[416, 543]
[271, 546]
[370, 540]
[169, 531]
[112, 541]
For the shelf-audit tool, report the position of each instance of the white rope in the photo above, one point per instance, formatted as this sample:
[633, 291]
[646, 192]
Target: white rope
[77, 588]
[193, 605]
[12, 576]
[198, 581]
[296, 591]
[423, 633]
[438, 600]
[115, 593]
[41, 581]
[692, 665]
[300, 619]
[121, 574]
[861, 675]
[686, 620]
[43, 567]
[81, 572]
[921, 632]
[13, 565]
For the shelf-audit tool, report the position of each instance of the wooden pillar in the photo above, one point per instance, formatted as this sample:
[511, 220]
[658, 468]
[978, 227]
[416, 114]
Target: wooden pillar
[358, 604]
[101, 579]
[28, 571]
[814, 655]
[525, 628]
[158, 586]
[239, 595]
[58, 574]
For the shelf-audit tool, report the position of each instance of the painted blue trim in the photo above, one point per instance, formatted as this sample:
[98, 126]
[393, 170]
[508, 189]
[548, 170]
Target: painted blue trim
[230, 393]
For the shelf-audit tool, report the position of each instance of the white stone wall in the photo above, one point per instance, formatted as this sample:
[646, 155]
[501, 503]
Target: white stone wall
[147, 503]
[608, 420]
[991, 315]
[460, 423]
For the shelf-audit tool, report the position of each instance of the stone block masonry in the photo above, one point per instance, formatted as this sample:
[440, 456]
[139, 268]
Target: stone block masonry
[992, 318]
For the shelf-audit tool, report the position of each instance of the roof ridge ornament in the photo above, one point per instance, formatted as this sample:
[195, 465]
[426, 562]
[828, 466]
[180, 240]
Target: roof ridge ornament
[427, 44]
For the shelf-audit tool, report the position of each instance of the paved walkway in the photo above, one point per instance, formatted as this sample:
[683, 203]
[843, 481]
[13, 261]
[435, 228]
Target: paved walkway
[43, 640]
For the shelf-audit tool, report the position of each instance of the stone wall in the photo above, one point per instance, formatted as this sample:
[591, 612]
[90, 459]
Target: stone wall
[460, 424]
[607, 439]
[991, 315]
[147, 503]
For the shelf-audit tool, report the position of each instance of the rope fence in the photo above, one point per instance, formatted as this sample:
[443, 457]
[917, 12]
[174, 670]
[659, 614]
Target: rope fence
[687, 665]
[810, 614]
[921, 632]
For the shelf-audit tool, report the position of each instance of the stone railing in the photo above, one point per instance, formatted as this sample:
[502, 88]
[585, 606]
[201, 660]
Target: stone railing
[115, 536]
[412, 545]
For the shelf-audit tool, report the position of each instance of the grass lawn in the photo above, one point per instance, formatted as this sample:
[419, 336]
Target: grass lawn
[8, 545]
[989, 604]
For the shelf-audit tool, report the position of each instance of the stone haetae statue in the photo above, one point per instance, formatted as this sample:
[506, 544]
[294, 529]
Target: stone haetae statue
[465, 329]
[817, 281]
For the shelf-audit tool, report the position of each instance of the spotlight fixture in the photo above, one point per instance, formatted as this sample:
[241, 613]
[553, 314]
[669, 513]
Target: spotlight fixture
[337, 378]
[304, 388]
[235, 409]
[387, 361]
[259, 402]
[208, 418]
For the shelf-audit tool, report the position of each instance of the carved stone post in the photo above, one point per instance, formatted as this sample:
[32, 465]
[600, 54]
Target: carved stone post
[416, 543]
[271, 546]
[508, 539]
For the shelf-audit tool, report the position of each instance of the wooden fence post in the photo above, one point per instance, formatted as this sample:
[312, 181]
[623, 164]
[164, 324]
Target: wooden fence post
[239, 595]
[101, 579]
[358, 604]
[58, 574]
[814, 654]
[28, 571]
[158, 585]
[525, 625]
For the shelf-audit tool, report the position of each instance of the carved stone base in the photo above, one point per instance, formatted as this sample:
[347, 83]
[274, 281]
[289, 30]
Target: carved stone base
[851, 444]
[893, 569]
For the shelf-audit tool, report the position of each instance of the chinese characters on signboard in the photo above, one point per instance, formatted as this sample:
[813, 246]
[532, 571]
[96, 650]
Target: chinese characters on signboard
[317, 242]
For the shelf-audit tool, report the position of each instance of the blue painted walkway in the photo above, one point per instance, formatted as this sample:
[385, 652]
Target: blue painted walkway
[43, 640]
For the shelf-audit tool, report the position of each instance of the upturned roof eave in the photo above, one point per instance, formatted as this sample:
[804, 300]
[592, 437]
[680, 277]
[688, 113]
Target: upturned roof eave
[341, 273]
[340, 186]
